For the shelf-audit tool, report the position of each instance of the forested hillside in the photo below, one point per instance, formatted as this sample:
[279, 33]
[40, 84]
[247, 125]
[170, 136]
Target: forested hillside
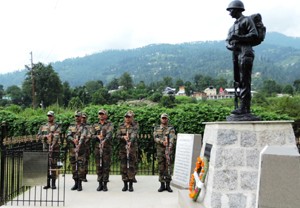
[277, 58]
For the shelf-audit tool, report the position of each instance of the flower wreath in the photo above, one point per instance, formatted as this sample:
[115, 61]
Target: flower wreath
[198, 178]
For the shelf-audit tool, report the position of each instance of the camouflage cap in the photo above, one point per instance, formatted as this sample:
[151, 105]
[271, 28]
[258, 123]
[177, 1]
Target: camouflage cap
[164, 115]
[78, 113]
[84, 115]
[50, 113]
[129, 113]
[102, 111]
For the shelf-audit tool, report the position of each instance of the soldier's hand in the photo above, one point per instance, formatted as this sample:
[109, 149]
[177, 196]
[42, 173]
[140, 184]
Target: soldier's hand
[126, 138]
[100, 137]
[75, 141]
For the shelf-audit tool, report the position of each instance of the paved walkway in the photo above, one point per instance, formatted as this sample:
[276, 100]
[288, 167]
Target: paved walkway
[145, 194]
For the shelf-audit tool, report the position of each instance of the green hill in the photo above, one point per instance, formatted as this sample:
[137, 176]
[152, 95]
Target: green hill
[278, 58]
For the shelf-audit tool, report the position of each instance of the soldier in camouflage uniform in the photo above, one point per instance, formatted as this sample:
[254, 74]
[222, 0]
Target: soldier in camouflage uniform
[164, 137]
[127, 134]
[102, 135]
[49, 134]
[87, 143]
[76, 135]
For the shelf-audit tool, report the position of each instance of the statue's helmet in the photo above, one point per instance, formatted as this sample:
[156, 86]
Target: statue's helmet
[236, 4]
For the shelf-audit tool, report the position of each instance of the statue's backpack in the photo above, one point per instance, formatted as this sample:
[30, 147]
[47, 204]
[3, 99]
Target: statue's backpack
[261, 29]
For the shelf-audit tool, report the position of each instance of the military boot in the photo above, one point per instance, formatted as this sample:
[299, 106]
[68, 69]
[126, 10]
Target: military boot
[48, 184]
[162, 187]
[53, 186]
[75, 187]
[168, 188]
[105, 186]
[130, 186]
[79, 185]
[100, 187]
[125, 188]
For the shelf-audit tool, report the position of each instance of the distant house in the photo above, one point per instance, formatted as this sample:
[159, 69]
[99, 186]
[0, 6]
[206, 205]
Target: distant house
[181, 91]
[169, 91]
[199, 95]
[210, 91]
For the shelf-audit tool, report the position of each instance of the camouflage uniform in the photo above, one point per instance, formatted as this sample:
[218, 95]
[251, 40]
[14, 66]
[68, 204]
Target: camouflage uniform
[78, 131]
[160, 134]
[106, 130]
[128, 173]
[51, 130]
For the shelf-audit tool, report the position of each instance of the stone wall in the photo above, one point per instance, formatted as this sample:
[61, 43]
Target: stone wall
[234, 159]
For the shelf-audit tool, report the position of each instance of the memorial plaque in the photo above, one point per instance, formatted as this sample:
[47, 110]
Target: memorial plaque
[35, 167]
[188, 148]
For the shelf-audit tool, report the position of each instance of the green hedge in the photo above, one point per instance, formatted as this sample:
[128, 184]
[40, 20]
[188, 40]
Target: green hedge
[187, 118]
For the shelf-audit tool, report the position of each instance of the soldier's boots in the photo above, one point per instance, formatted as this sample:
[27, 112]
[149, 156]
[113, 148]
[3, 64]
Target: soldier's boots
[105, 186]
[162, 187]
[48, 184]
[75, 187]
[100, 187]
[79, 185]
[125, 188]
[130, 186]
[53, 186]
[168, 188]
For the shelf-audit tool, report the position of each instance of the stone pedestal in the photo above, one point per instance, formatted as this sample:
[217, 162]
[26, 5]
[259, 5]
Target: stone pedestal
[279, 183]
[188, 148]
[234, 159]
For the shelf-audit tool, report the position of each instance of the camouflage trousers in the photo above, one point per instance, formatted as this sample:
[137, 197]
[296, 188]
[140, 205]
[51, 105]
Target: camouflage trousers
[78, 164]
[87, 159]
[128, 173]
[103, 162]
[52, 164]
[163, 170]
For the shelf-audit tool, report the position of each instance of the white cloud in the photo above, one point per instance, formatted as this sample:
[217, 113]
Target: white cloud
[58, 29]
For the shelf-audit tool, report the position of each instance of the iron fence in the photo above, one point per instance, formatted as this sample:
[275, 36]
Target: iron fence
[11, 161]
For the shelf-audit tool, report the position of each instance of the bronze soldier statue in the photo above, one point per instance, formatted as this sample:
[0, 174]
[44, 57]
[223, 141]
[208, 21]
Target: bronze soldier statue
[240, 40]
[164, 137]
[102, 133]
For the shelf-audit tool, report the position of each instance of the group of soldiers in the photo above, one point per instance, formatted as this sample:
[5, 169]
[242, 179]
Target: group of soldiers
[80, 135]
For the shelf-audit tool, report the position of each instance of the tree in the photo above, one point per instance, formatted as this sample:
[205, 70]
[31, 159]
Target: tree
[101, 97]
[67, 94]
[288, 89]
[113, 84]
[126, 81]
[75, 103]
[1, 91]
[297, 85]
[270, 87]
[47, 85]
[15, 93]
[92, 86]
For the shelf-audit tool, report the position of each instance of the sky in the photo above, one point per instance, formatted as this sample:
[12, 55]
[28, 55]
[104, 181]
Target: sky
[54, 30]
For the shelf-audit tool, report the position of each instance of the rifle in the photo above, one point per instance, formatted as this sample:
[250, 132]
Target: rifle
[101, 148]
[236, 95]
[167, 154]
[50, 151]
[127, 149]
[77, 146]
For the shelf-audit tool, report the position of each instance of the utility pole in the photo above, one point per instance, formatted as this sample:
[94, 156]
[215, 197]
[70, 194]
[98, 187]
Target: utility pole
[32, 79]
